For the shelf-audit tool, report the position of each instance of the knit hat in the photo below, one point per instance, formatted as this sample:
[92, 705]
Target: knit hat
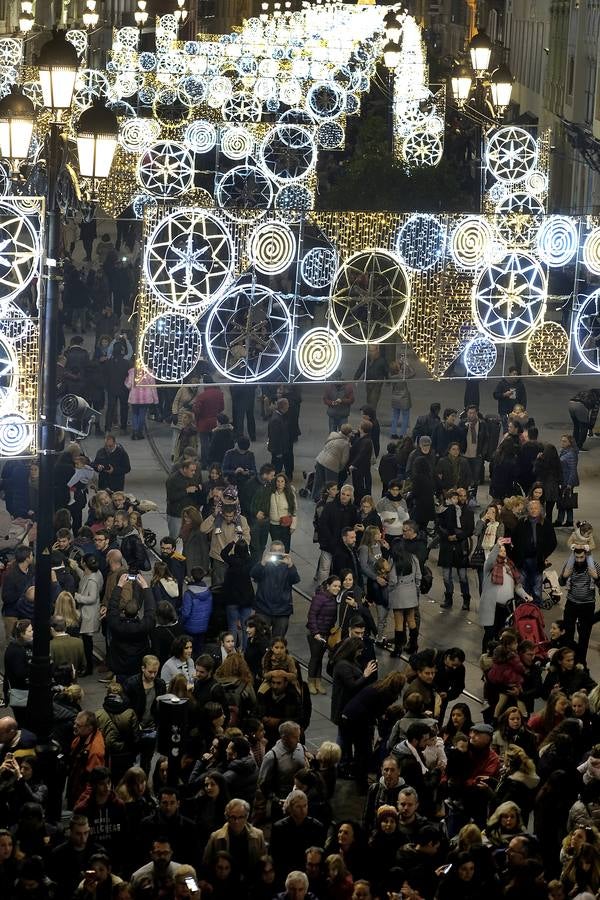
[386, 812]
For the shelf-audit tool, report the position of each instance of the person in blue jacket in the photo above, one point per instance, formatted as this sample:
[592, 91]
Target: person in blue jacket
[275, 576]
[196, 608]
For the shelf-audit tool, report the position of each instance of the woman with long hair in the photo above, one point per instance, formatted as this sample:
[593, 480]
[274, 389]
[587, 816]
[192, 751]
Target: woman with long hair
[519, 781]
[283, 510]
[163, 585]
[352, 603]
[277, 656]
[373, 547]
[166, 629]
[207, 806]
[555, 710]
[547, 470]
[404, 598]
[488, 530]
[503, 825]
[512, 729]
[195, 544]
[65, 606]
[459, 720]
[238, 588]
[581, 874]
[566, 675]
[349, 677]
[504, 469]
[237, 681]
[180, 662]
[142, 394]
[569, 458]
[501, 581]
[87, 598]
[258, 634]
[359, 717]
[348, 843]
[322, 615]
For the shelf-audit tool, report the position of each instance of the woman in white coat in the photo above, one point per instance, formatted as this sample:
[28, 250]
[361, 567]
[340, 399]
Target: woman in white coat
[501, 581]
[87, 598]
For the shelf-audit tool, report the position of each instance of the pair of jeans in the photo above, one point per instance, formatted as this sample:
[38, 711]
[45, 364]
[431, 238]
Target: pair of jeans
[317, 652]
[323, 566]
[259, 535]
[174, 526]
[335, 422]
[279, 624]
[532, 578]
[449, 583]
[238, 614]
[580, 417]
[284, 463]
[580, 615]
[476, 467]
[138, 417]
[402, 416]
[122, 398]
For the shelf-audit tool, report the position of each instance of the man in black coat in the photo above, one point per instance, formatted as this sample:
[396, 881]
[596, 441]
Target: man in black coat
[509, 391]
[359, 461]
[294, 834]
[474, 444]
[167, 822]
[207, 689]
[455, 525]
[279, 444]
[534, 540]
[130, 635]
[339, 514]
[345, 556]
[446, 433]
[426, 425]
[112, 464]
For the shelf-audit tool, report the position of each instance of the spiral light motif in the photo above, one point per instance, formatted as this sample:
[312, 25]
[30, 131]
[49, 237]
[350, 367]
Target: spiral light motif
[470, 242]
[16, 435]
[200, 136]
[591, 251]
[271, 248]
[480, 356]
[318, 353]
[547, 348]
[137, 134]
[557, 240]
[236, 143]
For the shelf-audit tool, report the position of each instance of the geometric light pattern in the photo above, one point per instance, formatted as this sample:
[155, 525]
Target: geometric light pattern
[587, 331]
[318, 267]
[318, 353]
[591, 251]
[171, 345]
[509, 298]
[421, 241]
[557, 240]
[480, 356]
[470, 242]
[511, 154]
[19, 251]
[16, 435]
[271, 248]
[547, 348]
[166, 169]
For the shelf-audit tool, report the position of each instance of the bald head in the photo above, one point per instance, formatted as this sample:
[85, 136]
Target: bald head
[8, 729]
[114, 558]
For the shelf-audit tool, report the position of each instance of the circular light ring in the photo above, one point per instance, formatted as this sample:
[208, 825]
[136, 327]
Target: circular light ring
[547, 348]
[188, 261]
[591, 251]
[330, 136]
[326, 100]
[290, 92]
[318, 354]
[511, 154]
[200, 136]
[218, 90]
[16, 435]
[166, 169]
[142, 202]
[244, 194]
[128, 36]
[587, 332]
[318, 267]
[127, 84]
[498, 191]
[509, 298]
[79, 39]
[370, 297]
[236, 143]
[296, 116]
[241, 107]
[5, 180]
[147, 61]
[536, 182]
[420, 242]
[480, 356]
[470, 241]
[288, 153]
[519, 216]
[9, 370]
[423, 148]
[191, 90]
[557, 240]
[272, 248]
[19, 251]
[136, 134]
[248, 333]
[170, 347]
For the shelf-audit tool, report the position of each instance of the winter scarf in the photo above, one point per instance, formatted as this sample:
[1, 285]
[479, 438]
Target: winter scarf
[498, 571]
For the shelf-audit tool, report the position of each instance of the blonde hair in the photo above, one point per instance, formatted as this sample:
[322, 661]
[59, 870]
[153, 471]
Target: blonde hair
[329, 753]
[335, 863]
[468, 836]
[65, 607]
[74, 692]
[507, 807]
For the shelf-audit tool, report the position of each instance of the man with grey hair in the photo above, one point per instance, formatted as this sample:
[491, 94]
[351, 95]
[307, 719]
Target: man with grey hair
[295, 833]
[296, 888]
[275, 576]
[279, 766]
[65, 649]
[422, 450]
[337, 515]
[245, 843]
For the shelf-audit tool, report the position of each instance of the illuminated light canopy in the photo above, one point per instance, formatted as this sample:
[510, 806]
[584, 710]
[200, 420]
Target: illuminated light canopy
[480, 356]
[591, 251]
[421, 241]
[509, 298]
[16, 435]
[557, 240]
[470, 242]
[547, 348]
[288, 153]
[318, 354]
[171, 346]
[248, 333]
[272, 248]
[244, 194]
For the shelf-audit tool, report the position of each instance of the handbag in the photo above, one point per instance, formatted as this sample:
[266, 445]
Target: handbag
[18, 697]
[568, 498]
[335, 632]
[477, 558]
[286, 521]
[426, 580]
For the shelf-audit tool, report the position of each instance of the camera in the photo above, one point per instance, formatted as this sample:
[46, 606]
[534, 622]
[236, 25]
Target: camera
[191, 884]
[276, 557]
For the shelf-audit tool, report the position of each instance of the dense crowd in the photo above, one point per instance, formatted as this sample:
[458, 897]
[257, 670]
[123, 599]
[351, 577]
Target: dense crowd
[443, 805]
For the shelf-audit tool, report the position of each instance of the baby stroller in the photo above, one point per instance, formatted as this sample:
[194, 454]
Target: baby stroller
[307, 489]
[551, 592]
[528, 621]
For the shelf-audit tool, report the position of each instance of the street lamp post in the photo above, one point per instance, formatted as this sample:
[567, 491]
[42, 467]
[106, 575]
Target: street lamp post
[58, 67]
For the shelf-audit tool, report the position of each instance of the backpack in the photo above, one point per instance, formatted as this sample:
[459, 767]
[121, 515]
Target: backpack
[529, 624]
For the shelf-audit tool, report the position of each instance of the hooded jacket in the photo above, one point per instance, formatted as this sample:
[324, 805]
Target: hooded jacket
[241, 776]
[335, 452]
[322, 613]
[196, 608]
[274, 588]
[220, 442]
[130, 636]
[118, 724]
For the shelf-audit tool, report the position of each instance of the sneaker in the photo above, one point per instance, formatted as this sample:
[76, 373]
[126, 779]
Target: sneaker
[71, 501]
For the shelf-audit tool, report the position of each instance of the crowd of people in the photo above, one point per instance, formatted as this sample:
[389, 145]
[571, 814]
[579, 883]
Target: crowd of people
[506, 804]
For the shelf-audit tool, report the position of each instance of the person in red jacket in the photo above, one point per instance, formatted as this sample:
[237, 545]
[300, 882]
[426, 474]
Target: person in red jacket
[483, 772]
[207, 406]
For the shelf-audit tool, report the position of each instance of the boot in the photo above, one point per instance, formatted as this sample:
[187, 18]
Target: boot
[447, 604]
[312, 686]
[413, 636]
[399, 638]
[320, 688]
[466, 603]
